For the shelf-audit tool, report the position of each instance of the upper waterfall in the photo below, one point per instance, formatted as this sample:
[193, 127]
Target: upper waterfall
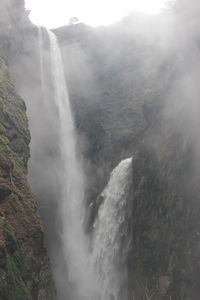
[71, 202]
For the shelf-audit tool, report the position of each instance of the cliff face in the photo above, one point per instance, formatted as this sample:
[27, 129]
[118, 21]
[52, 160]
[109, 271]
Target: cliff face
[164, 256]
[143, 101]
[25, 271]
[163, 260]
[24, 268]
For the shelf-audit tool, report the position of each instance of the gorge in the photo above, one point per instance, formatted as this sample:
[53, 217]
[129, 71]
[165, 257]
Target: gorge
[112, 157]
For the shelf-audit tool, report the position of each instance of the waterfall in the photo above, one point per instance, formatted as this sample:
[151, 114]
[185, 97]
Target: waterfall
[110, 242]
[71, 208]
[72, 181]
[85, 268]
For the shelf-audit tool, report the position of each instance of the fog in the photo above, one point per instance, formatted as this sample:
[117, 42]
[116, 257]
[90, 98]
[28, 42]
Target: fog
[139, 60]
[92, 13]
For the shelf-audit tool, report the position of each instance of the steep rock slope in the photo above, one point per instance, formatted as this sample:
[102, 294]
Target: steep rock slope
[25, 271]
[164, 257]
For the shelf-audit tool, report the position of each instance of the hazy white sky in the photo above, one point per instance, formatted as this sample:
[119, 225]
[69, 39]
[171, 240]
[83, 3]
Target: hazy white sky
[55, 13]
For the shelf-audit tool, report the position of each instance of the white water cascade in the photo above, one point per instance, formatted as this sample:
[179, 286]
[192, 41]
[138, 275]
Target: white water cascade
[110, 233]
[71, 180]
[91, 268]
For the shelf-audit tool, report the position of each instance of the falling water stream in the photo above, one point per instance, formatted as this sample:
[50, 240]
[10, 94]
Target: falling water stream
[110, 233]
[94, 266]
[71, 206]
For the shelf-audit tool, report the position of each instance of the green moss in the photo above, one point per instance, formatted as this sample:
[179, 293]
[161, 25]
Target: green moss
[20, 261]
[9, 233]
[11, 104]
[3, 70]
[5, 160]
[3, 140]
[17, 289]
[2, 129]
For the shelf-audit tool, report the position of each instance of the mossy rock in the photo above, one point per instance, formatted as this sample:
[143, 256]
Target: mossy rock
[24, 264]
[17, 289]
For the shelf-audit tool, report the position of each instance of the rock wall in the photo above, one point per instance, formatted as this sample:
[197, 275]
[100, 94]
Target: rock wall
[24, 265]
[145, 104]
[25, 271]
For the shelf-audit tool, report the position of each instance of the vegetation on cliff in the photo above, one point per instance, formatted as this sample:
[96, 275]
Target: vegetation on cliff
[25, 269]
[25, 272]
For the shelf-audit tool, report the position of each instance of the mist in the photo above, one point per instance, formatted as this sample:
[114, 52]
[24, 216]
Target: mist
[133, 91]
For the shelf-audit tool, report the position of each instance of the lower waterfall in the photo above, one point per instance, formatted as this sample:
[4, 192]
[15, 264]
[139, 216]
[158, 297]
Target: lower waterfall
[110, 240]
